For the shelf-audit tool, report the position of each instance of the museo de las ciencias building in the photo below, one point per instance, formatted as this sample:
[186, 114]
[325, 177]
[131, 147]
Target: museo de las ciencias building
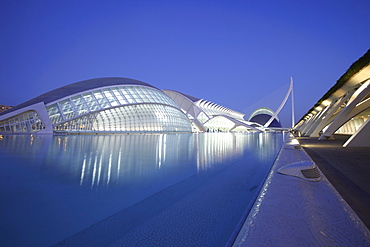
[122, 105]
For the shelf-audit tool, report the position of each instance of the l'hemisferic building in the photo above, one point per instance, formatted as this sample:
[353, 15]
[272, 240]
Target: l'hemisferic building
[120, 105]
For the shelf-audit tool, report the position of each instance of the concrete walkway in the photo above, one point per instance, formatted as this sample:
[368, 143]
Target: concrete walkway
[295, 211]
[347, 169]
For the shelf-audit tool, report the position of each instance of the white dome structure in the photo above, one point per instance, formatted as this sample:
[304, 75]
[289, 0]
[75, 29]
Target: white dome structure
[102, 105]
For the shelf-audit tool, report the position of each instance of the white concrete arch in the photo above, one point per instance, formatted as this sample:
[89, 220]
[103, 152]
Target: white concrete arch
[40, 109]
[351, 110]
[346, 110]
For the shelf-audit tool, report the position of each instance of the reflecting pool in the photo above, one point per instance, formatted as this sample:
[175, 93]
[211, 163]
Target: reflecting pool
[127, 190]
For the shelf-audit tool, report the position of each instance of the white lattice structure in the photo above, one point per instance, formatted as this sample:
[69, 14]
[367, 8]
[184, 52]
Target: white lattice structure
[209, 116]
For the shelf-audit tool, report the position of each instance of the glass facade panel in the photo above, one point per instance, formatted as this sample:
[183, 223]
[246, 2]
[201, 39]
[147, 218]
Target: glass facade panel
[131, 118]
[127, 95]
[202, 117]
[27, 122]
[219, 124]
[103, 102]
[119, 96]
[67, 109]
[91, 102]
[54, 114]
[110, 97]
[80, 105]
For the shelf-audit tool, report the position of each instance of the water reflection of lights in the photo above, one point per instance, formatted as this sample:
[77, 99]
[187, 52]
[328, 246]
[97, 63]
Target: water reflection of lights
[110, 160]
[216, 148]
[161, 147]
[32, 139]
[83, 170]
[268, 144]
[120, 159]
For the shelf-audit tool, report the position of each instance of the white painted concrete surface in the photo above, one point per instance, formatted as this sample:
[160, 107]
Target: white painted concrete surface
[292, 211]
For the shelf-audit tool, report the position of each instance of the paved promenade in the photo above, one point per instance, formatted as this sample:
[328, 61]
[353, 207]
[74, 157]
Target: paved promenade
[347, 169]
[295, 211]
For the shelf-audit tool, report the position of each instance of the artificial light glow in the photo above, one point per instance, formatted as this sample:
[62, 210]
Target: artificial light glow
[293, 142]
[326, 102]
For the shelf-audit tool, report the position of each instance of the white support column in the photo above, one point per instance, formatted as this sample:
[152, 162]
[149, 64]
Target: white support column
[309, 123]
[346, 114]
[329, 117]
[318, 118]
[301, 125]
[361, 138]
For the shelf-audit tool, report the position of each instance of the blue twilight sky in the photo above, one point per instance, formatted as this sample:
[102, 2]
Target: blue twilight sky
[237, 53]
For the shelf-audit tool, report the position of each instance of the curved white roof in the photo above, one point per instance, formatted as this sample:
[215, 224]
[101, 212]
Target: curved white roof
[76, 88]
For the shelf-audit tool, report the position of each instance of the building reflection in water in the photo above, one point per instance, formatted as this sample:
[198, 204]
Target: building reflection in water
[103, 161]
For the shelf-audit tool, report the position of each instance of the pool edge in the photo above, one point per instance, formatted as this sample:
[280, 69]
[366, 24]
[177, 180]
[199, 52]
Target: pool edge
[293, 211]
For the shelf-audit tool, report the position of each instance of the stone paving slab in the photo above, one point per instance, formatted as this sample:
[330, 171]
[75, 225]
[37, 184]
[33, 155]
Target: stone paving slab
[292, 211]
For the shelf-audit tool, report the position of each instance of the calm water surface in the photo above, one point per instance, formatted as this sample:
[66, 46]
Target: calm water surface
[143, 190]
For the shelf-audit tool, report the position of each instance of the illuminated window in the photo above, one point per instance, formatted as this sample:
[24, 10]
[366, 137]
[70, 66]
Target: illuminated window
[67, 109]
